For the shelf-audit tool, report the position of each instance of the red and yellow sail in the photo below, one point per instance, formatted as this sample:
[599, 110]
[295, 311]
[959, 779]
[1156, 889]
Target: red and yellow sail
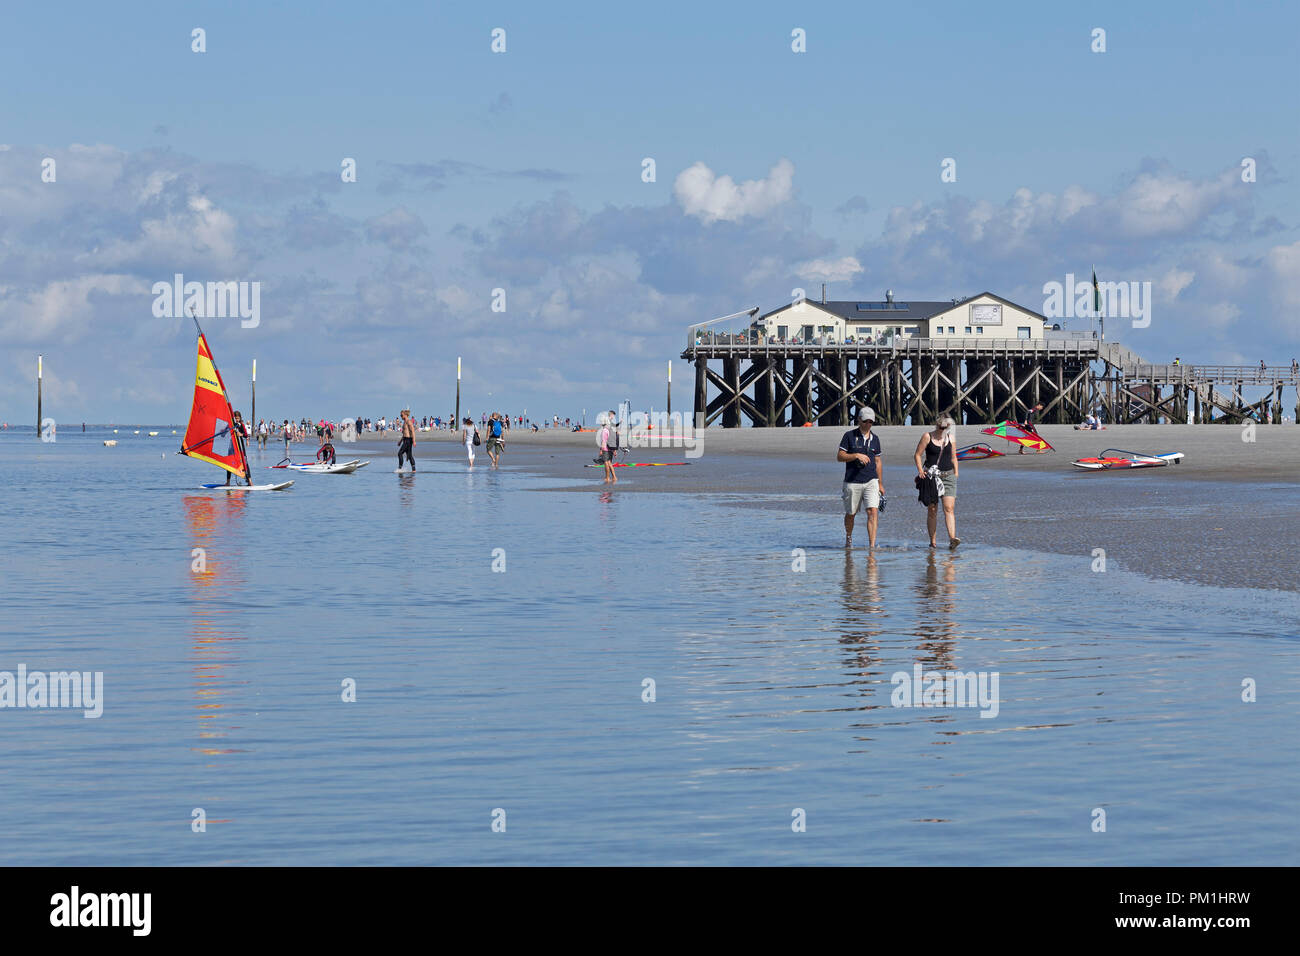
[210, 435]
[1013, 432]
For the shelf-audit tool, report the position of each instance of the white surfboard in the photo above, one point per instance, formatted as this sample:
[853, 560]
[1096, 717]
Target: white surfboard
[339, 468]
[215, 486]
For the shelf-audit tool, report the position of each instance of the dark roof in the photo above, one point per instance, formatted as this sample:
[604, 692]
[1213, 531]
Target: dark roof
[900, 309]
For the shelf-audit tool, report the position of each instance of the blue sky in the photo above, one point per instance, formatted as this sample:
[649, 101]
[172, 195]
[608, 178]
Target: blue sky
[522, 171]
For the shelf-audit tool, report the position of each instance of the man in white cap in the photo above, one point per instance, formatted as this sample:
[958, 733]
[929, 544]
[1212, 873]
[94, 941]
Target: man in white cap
[864, 476]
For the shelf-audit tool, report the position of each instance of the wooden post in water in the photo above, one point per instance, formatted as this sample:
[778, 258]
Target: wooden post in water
[40, 360]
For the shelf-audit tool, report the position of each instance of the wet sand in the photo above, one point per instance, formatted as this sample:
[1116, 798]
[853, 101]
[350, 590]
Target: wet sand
[1228, 515]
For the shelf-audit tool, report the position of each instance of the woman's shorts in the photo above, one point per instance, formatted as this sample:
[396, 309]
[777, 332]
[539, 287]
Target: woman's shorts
[949, 484]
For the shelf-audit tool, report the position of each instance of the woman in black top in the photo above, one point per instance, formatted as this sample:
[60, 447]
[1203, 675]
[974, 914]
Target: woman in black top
[938, 450]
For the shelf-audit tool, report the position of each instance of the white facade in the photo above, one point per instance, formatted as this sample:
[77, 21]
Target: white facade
[986, 317]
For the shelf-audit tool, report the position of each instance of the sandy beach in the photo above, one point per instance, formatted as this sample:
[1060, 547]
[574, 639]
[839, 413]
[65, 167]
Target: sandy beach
[1224, 516]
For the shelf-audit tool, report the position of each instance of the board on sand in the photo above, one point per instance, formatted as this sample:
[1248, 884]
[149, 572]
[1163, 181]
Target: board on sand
[641, 464]
[321, 468]
[218, 486]
[1117, 458]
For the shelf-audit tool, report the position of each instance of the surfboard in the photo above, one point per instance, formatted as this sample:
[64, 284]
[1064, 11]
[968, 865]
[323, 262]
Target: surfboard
[319, 468]
[217, 486]
[641, 464]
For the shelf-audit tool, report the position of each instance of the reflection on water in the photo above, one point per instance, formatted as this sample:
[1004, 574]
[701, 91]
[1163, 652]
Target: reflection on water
[862, 621]
[937, 625]
[525, 689]
[214, 523]
[406, 489]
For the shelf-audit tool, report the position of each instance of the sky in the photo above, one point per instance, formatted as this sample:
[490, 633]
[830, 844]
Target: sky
[525, 171]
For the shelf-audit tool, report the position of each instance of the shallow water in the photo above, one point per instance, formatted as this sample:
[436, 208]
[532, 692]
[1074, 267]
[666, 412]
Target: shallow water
[522, 690]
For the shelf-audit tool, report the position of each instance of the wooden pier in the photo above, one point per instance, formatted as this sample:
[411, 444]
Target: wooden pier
[975, 380]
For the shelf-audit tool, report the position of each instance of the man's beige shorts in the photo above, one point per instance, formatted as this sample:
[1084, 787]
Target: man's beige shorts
[855, 496]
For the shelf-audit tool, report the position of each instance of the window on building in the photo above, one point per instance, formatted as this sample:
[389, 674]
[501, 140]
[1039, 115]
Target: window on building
[912, 330]
[952, 330]
[968, 330]
[898, 330]
[979, 330]
[782, 331]
[1022, 332]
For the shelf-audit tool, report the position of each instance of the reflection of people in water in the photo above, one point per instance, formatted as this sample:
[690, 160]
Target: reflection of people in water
[936, 624]
[862, 602]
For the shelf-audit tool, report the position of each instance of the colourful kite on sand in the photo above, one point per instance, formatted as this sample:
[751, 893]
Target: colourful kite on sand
[1018, 434]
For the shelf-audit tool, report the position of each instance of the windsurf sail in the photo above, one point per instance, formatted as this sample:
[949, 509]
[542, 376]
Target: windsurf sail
[210, 435]
[976, 452]
[1017, 434]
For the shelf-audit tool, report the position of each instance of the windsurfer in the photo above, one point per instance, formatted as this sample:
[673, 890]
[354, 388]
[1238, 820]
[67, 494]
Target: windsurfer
[864, 477]
[325, 453]
[935, 450]
[1029, 426]
[237, 434]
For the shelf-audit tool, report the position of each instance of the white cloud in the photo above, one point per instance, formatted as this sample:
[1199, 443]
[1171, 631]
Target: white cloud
[711, 198]
[828, 270]
[1173, 282]
[398, 228]
[63, 308]
[455, 299]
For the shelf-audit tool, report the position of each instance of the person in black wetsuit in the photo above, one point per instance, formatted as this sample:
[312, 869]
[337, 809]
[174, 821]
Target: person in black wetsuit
[1029, 425]
[325, 454]
[406, 447]
[237, 434]
[937, 449]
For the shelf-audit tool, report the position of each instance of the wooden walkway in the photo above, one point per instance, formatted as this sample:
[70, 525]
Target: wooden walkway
[976, 380]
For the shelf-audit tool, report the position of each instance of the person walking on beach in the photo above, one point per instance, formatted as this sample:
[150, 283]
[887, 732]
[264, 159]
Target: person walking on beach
[406, 447]
[863, 475]
[936, 450]
[468, 434]
[606, 456]
[614, 441]
[496, 438]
